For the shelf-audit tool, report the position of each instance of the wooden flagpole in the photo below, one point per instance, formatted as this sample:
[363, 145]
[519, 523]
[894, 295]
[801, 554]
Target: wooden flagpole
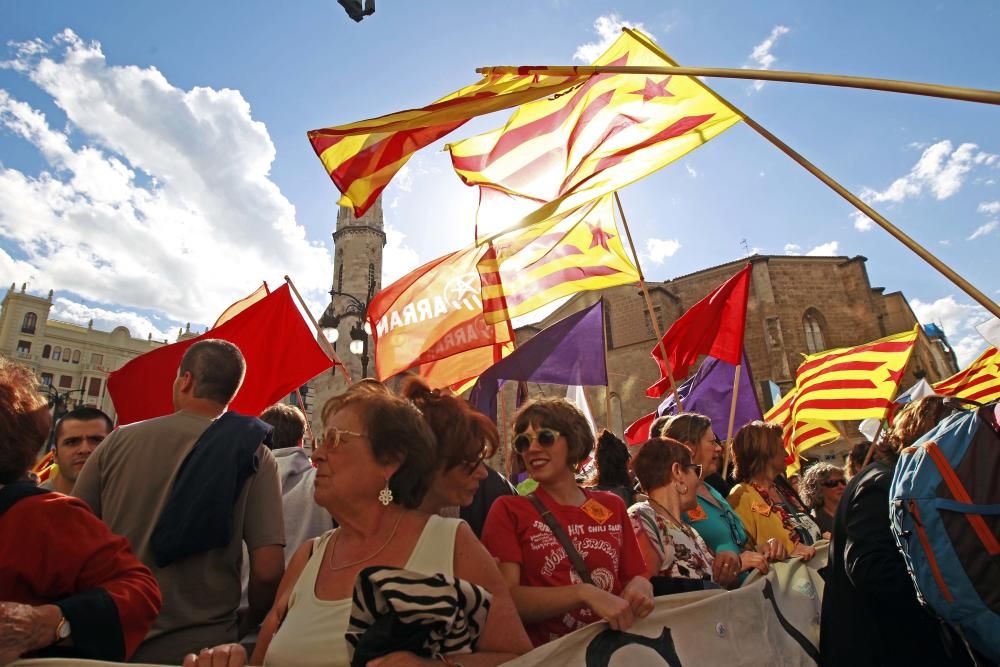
[323, 342]
[607, 374]
[839, 80]
[649, 306]
[732, 420]
[853, 199]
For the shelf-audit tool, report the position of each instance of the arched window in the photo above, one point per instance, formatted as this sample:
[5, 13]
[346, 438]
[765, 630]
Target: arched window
[76, 356]
[67, 354]
[812, 323]
[56, 353]
[28, 323]
[46, 352]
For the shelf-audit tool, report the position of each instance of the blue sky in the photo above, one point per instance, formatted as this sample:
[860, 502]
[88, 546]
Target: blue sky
[154, 166]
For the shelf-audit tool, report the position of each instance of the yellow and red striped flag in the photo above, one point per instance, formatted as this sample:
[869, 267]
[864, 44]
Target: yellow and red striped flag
[799, 435]
[362, 157]
[854, 382]
[528, 268]
[559, 153]
[459, 372]
[980, 381]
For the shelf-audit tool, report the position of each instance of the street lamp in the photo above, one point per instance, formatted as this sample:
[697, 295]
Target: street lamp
[360, 331]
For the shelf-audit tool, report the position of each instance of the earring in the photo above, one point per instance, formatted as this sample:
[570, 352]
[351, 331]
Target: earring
[385, 495]
[682, 488]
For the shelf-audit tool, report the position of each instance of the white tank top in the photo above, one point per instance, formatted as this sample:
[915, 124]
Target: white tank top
[312, 634]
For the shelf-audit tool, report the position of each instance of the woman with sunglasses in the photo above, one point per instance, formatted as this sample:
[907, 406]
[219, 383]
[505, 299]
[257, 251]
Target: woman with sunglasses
[712, 517]
[821, 488]
[553, 437]
[373, 468]
[672, 549]
[763, 499]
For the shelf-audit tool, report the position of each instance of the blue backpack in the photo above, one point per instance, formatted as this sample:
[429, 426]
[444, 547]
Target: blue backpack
[945, 515]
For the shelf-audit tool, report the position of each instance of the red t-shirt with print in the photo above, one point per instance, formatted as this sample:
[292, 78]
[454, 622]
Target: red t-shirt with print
[515, 533]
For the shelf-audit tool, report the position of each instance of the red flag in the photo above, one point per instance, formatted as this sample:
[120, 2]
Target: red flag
[638, 431]
[281, 354]
[712, 326]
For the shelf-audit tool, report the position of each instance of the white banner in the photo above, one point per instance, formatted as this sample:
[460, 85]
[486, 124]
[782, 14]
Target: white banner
[771, 620]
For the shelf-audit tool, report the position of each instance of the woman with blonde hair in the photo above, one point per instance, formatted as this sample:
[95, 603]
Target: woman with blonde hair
[763, 499]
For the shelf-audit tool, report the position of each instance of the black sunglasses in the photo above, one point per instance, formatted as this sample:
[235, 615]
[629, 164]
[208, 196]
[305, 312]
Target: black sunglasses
[546, 438]
[834, 483]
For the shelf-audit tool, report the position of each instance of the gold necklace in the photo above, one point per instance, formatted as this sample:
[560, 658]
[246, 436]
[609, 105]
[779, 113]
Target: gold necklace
[679, 524]
[333, 547]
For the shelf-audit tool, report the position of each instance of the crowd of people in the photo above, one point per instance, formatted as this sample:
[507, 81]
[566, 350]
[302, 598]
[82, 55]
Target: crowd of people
[209, 538]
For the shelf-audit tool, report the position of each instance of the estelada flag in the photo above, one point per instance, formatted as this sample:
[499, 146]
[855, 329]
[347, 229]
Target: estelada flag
[280, 350]
[362, 157]
[798, 435]
[713, 326]
[980, 381]
[563, 151]
[528, 268]
[432, 313]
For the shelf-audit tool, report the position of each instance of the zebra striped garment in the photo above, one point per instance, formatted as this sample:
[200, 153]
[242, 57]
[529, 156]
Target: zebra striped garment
[400, 610]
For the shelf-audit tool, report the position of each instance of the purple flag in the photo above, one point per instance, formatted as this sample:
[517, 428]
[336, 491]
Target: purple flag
[571, 351]
[710, 392]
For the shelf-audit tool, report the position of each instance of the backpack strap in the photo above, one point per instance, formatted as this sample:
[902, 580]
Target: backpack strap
[15, 491]
[574, 556]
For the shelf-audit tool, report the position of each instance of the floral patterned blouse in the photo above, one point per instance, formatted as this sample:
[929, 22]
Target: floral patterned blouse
[683, 554]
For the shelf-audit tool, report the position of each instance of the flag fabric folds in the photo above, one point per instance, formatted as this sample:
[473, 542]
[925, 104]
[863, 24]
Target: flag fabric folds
[638, 431]
[710, 392]
[280, 350]
[980, 381]
[570, 352]
[432, 313]
[854, 382]
[595, 138]
[459, 372]
[713, 326]
[242, 304]
[798, 435]
[528, 268]
[362, 157]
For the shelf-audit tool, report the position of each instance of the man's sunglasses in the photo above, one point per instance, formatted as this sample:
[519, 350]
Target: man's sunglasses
[834, 483]
[546, 437]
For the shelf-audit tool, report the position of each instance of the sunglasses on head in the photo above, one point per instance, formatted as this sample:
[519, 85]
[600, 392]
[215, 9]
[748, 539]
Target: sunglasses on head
[834, 483]
[546, 437]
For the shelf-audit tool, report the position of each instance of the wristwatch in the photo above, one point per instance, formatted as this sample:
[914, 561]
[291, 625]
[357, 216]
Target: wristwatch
[63, 629]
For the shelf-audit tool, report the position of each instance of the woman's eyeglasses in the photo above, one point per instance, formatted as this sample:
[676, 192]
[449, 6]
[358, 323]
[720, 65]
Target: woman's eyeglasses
[333, 436]
[470, 466]
[546, 437]
[834, 483]
[696, 467]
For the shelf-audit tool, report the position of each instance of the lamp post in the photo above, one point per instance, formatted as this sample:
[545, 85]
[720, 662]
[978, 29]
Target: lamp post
[360, 330]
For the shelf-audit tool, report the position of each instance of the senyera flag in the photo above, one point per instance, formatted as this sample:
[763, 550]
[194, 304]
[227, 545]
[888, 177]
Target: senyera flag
[432, 313]
[528, 268]
[362, 157]
[798, 435]
[713, 326]
[280, 349]
[980, 381]
[558, 153]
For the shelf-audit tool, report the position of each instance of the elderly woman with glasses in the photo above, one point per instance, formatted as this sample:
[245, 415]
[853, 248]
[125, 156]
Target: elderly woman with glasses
[569, 555]
[821, 487]
[712, 516]
[763, 499]
[671, 548]
[373, 469]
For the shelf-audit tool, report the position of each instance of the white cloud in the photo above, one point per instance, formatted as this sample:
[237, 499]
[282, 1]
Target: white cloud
[862, 222]
[692, 172]
[761, 56]
[959, 322]
[658, 250]
[608, 29]
[945, 242]
[989, 207]
[398, 259]
[138, 325]
[983, 230]
[824, 250]
[941, 169]
[168, 205]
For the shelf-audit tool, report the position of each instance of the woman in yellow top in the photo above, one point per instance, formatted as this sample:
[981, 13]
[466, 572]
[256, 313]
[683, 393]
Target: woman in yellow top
[763, 499]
